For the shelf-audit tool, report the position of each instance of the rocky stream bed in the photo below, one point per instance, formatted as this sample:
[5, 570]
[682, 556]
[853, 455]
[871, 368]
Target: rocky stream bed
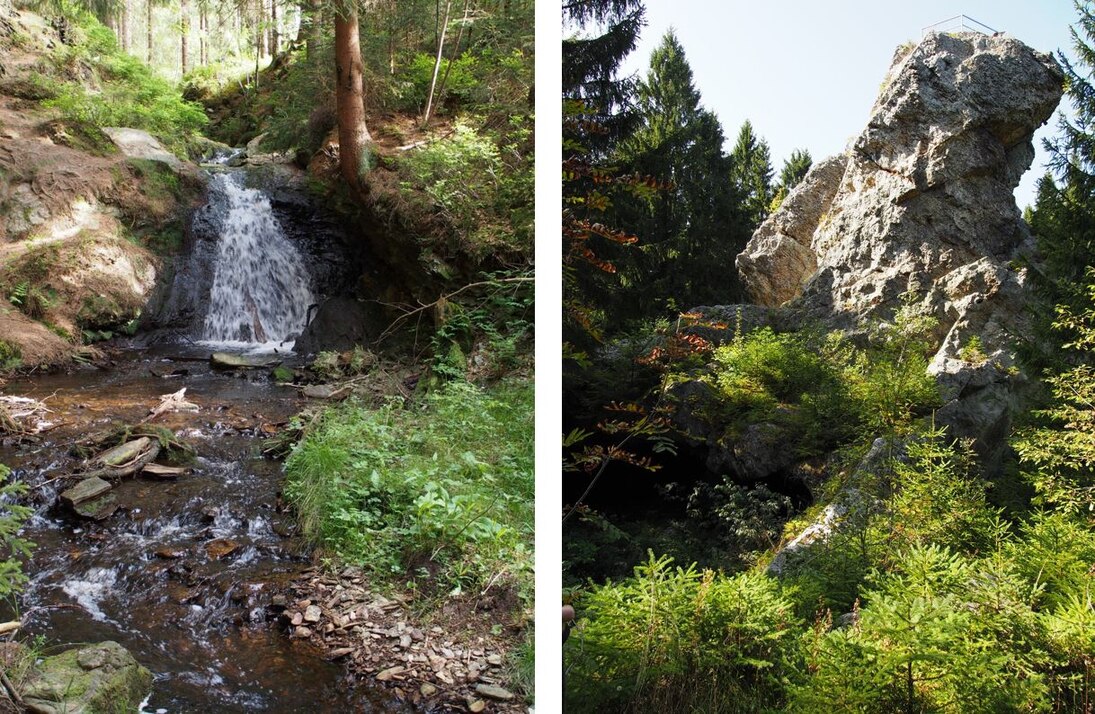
[201, 575]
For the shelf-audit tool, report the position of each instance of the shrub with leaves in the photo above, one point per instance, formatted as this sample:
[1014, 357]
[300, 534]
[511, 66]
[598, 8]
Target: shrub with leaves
[442, 490]
[482, 183]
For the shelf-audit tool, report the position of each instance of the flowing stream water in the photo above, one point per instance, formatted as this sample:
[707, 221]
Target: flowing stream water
[147, 576]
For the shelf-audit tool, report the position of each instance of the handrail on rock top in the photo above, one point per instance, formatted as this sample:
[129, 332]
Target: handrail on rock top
[964, 22]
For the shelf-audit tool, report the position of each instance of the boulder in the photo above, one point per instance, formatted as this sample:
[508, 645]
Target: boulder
[339, 324]
[139, 144]
[93, 679]
[922, 203]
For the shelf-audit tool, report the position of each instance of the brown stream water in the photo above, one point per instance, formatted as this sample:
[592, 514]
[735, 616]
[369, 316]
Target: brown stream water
[200, 624]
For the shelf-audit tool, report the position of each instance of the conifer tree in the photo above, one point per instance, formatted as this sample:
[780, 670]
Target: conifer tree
[795, 169]
[691, 230]
[751, 172]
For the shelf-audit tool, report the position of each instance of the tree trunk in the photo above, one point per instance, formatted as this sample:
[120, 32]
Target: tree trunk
[437, 64]
[313, 30]
[203, 23]
[353, 135]
[452, 57]
[148, 30]
[184, 30]
[274, 28]
[125, 26]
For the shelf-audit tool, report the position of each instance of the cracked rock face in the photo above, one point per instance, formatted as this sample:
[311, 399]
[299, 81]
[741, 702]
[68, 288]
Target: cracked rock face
[922, 202]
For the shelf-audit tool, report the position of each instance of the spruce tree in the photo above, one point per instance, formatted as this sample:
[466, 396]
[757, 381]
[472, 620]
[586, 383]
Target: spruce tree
[692, 229]
[795, 169]
[1063, 220]
[751, 172]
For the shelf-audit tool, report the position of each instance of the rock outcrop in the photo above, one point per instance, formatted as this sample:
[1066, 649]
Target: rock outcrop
[922, 203]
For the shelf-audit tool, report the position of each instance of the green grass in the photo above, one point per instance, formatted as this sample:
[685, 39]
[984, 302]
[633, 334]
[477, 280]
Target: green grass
[437, 494]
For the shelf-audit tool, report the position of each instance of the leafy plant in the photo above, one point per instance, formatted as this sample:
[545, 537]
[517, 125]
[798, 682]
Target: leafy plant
[680, 639]
[445, 486]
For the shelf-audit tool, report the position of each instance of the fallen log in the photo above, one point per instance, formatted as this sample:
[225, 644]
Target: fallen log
[224, 360]
[124, 460]
[161, 471]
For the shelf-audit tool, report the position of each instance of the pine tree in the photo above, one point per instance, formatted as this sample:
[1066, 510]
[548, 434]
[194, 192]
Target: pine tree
[795, 169]
[1063, 220]
[751, 172]
[692, 230]
[596, 117]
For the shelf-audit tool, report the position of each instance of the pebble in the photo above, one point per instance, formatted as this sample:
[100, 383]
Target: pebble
[427, 689]
[492, 692]
[303, 632]
[312, 613]
[390, 673]
[495, 660]
[476, 705]
[297, 619]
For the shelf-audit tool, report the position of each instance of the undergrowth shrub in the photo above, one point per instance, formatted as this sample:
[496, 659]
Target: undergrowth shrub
[680, 639]
[483, 183]
[125, 90]
[441, 491]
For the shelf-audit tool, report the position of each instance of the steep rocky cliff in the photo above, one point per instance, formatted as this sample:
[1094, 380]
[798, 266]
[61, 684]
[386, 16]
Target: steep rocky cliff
[922, 203]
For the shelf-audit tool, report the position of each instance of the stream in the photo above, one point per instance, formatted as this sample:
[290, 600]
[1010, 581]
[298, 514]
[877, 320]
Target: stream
[154, 575]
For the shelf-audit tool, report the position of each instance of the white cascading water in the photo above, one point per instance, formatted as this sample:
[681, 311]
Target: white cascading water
[261, 289]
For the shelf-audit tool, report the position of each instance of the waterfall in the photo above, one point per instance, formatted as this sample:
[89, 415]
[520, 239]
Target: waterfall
[261, 290]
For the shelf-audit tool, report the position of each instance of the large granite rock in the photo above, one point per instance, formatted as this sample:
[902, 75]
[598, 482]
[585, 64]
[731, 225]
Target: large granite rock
[101, 678]
[922, 202]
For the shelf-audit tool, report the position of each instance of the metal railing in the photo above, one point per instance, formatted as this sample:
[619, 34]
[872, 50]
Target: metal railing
[959, 23]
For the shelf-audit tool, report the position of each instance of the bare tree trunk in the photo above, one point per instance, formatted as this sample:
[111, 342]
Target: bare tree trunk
[314, 25]
[274, 28]
[437, 64]
[148, 29]
[353, 135]
[258, 40]
[453, 56]
[125, 26]
[203, 26]
[184, 30]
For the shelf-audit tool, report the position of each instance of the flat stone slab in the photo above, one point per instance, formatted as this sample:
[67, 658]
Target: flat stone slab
[86, 490]
[138, 144]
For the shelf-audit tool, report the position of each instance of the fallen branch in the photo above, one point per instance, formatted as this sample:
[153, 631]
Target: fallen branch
[6, 627]
[10, 690]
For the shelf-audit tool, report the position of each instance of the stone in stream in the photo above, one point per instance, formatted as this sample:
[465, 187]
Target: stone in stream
[86, 490]
[98, 509]
[101, 677]
[221, 548]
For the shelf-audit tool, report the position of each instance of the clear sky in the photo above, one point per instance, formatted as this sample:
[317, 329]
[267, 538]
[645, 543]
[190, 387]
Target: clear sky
[806, 73]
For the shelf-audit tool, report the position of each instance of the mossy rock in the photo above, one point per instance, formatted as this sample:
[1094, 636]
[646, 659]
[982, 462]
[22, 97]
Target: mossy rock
[101, 678]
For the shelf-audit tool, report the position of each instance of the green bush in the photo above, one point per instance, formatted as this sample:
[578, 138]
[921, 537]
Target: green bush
[10, 355]
[680, 639]
[483, 185]
[414, 87]
[129, 93]
[442, 490]
[939, 632]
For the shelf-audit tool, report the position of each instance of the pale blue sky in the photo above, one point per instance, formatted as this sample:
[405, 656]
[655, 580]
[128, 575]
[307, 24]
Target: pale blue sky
[807, 73]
